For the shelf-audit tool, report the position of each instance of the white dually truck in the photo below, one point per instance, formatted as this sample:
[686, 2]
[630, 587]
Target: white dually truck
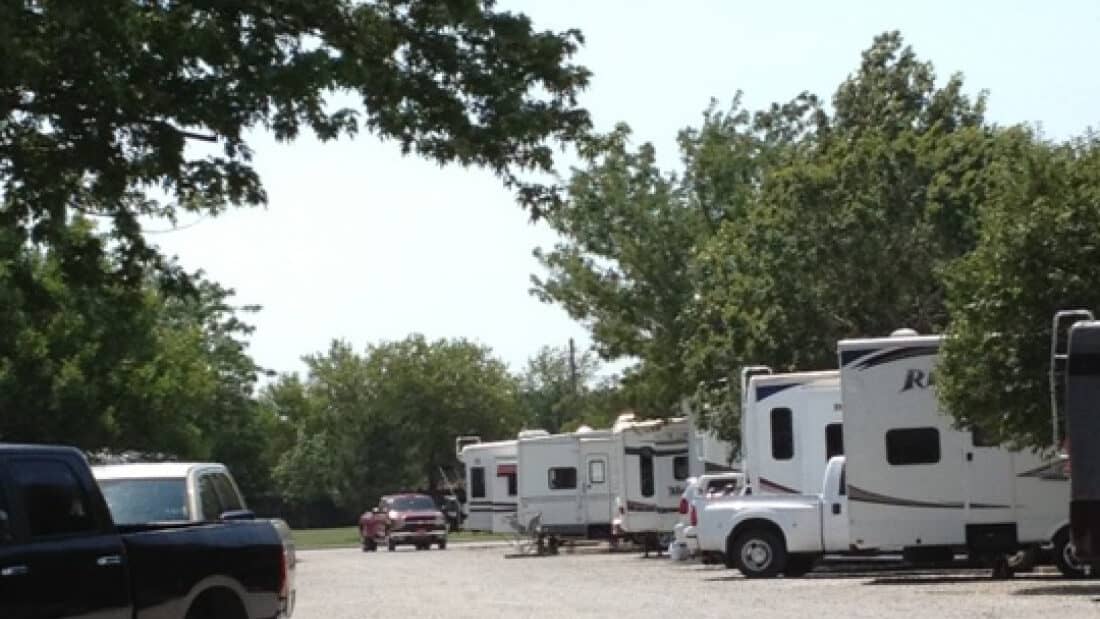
[766, 535]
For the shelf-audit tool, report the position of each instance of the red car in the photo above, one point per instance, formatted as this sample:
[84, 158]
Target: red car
[412, 519]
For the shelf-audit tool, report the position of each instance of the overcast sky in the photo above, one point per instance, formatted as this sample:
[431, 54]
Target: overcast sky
[361, 244]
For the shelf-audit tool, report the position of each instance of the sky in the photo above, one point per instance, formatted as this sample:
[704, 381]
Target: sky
[362, 244]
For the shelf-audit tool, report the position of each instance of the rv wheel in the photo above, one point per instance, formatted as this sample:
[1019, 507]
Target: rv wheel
[759, 554]
[1065, 557]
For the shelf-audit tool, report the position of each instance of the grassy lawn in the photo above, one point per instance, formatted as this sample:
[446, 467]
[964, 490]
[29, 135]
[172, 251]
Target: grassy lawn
[348, 537]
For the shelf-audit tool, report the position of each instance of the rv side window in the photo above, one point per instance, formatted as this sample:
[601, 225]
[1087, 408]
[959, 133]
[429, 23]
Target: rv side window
[477, 482]
[913, 446]
[680, 468]
[512, 488]
[563, 478]
[843, 481]
[782, 434]
[834, 440]
[980, 438]
[645, 468]
[596, 473]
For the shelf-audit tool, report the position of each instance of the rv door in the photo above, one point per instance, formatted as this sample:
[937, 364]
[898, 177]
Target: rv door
[989, 484]
[597, 494]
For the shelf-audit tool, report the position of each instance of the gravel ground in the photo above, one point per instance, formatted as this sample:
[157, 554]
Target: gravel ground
[480, 582]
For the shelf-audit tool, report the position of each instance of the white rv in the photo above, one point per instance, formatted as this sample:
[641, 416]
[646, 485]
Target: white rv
[790, 428]
[491, 485]
[917, 484]
[652, 458]
[568, 481]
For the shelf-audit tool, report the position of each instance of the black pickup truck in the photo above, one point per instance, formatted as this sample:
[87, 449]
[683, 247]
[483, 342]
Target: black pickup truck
[61, 555]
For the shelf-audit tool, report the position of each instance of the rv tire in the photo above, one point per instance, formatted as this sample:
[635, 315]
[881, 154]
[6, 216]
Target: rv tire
[1066, 558]
[759, 553]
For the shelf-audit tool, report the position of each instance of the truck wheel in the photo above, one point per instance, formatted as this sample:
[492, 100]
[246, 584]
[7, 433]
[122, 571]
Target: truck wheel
[1065, 557]
[369, 545]
[443, 544]
[799, 565]
[391, 545]
[759, 553]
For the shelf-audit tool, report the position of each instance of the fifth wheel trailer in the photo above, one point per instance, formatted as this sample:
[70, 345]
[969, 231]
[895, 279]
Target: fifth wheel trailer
[917, 484]
[491, 485]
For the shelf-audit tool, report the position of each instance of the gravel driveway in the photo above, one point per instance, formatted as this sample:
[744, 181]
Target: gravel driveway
[466, 582]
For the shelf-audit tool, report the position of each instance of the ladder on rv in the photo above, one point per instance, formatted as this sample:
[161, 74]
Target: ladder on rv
[1059, 358]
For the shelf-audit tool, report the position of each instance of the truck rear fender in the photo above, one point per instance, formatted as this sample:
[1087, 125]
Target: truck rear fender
[752, 524]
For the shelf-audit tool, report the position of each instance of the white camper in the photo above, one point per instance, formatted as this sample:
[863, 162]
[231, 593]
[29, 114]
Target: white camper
[568, 482]
[491, 485]
[917, 484]
[790, 428]
[652, 460]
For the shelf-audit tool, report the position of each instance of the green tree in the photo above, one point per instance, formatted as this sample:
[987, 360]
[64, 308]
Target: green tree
[387, 419]
[1036, 255]
[555, 399]
[849, 231]
[103, 102]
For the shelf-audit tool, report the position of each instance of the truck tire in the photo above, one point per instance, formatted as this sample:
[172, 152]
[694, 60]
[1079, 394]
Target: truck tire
[1066, 558]
[759, 553]
[799, 565]
[443, 544]
[369, 545]
[391, 545]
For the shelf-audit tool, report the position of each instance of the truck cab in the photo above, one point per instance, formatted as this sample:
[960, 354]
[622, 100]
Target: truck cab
[767, 535]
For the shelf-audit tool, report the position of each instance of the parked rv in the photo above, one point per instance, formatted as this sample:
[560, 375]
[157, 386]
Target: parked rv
[1083, 419]
[918, 485]
[766, 535]
[790, 428]
[568, 482]
[651, 458]
[492, 484]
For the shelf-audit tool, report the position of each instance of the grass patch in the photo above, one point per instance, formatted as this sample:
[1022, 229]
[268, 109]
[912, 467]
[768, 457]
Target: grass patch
[348, 537]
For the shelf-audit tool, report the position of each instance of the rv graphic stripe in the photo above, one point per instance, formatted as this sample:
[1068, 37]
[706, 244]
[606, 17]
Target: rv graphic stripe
[638, 506]
[848, 356]
[774, 487]
[1055, 470]
[856, 493]
[649, 451]
[767, 391]
[896, 354]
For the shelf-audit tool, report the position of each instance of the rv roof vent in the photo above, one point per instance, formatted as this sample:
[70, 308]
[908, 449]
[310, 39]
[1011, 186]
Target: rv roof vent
[904, 332]
[532, 433]
[584, 429]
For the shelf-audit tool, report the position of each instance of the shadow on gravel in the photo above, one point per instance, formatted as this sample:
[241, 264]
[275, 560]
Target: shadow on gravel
[1073, 589]
[954, 579]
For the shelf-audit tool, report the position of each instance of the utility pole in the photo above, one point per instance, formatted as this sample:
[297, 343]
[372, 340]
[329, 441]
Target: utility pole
[572, 366]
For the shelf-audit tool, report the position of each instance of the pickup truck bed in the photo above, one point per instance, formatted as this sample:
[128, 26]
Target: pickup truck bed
[61, 555]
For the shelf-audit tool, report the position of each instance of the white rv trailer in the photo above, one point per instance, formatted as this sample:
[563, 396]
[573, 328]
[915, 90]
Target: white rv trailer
[917, 484]
[1083, 426]
[568, 481]
[790, 428]
[491, 485]
[652, 459]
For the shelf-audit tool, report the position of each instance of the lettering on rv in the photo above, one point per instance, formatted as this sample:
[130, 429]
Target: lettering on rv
[919, 379]
[675, 490]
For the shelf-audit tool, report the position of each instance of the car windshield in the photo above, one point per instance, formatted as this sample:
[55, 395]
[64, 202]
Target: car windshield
[413, 503]
[139, 501]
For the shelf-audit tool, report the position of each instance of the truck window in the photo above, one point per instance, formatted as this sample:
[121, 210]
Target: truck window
[680, 468]
[228, 496]
[562, 478]
[208, 498]
[782, 434]
[645, 469]
[913, 446]
[137, 501]
[477, 482]
[834, 440]
[54, 501]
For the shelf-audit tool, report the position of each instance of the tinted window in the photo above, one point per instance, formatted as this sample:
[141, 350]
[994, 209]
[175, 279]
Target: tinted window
[596, 472]
[563, 478]
[7, 535]
[645, 469]
[680, 467]
[913, 446]
[512, 489]
[834, 440]
[228, 496]
[208, 498]
[138, 501]
[980, 438]
[413, 503]
[782, 434]
[51, 494]
[477, 482]
[843, 481]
